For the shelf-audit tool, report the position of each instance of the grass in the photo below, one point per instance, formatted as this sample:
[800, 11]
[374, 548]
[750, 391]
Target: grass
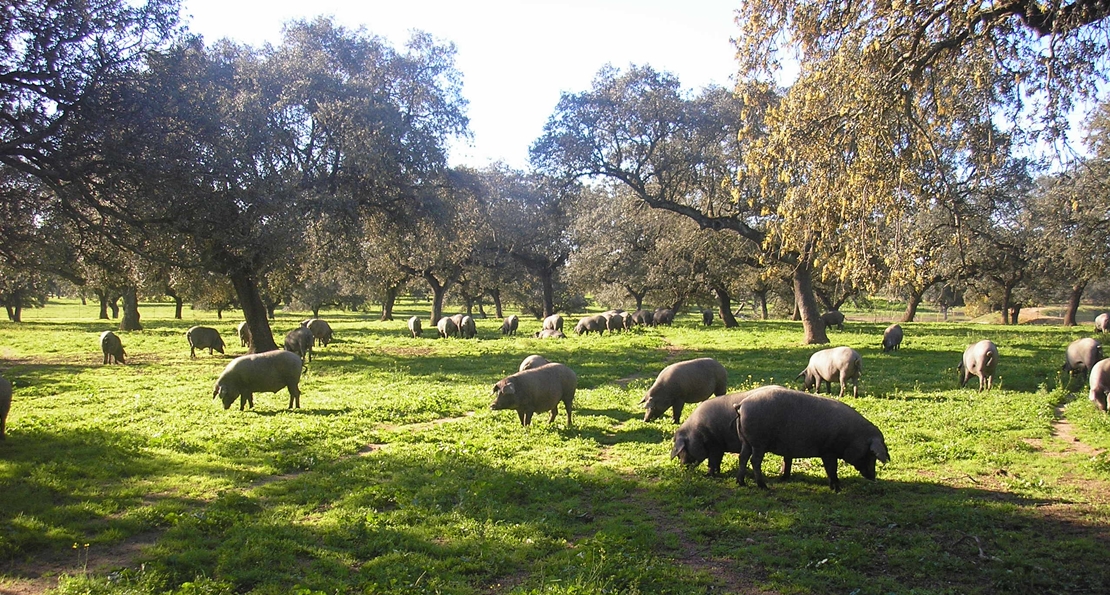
[395, 477]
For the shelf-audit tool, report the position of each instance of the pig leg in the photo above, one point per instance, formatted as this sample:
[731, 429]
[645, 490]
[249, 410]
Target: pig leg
[676, 412]
[715, 458]
[742, 468]
[554, 414]
[294, 397]
[786, 462]
[830, 470]
[757, 468]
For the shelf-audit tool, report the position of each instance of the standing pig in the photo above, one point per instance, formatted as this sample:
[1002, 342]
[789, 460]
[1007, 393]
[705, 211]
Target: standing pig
[838, 364]
[244, 334]
[709, 433]
[414, 327]
[614, 323]
[447, 327]
[707, 317]
[662, 316]
[467, 329]
[1102, 323]
[553, 322]
[1081, 357]
[644, 317]
[321, 330]
[892, 338]
[203, 337]
[538, 389]
[691, 381]
[1100, 383]
[5, 405]
[266, 372]
[832, 319]
[509, 326]
[549, 334]
[112, 347]
[796, 425]
[590, 324]
[979, 360]
[533, 361]
[299, 341]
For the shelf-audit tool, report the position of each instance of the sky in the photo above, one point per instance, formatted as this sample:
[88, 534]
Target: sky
[516, 57]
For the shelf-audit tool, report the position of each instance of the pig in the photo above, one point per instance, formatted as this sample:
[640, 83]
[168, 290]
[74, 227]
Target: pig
[663, 316]
[833, 318]
[533, 361]
[690, 381]
[892, 338]
[979, 360]
[414, 327]
[321, 330]
[467, 328]
[709, 433]
[204, 337]
[838, 364]
[590, 324]
[1100, 383]
[244, 334]
[549, 334]
[537, 389]
[644, 317]
[300, 341]
[707, 317]
[1081, 356]
[626, 320]
[509, 326]
[447, 327]
[112, 347]
[613, 321]
[5, 405]
[553, 322]
[794, 424]
[1102, 323]
[266, 372]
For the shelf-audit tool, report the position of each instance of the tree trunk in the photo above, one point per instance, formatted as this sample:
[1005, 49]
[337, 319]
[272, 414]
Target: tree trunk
[315, 311]
[103, 297]
[439, 290]
[388, 302]
[262, 338]
[15, 312]
[114, 305]
[130, 320]
[1006, 305]
[806, 302]
[724, 305]
[219, 312]
[1015, 310]
[761, 297]
[177, 302]
[496, 295]
[547, 278]
[911, 306]
[1073, 303]
[797, 311]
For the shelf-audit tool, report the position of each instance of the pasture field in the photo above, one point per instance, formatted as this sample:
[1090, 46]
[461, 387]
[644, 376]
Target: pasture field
[395, 476]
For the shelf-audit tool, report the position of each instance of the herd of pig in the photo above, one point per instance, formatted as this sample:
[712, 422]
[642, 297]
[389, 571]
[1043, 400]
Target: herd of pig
[769, 419]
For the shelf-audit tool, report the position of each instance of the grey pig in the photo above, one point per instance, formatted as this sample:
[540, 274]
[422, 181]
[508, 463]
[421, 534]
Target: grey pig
[892, 338]
[643, 317]
[832, 319]
[590, 324]
[510, 324]
[795, 425]
[838, 364]
[1081, 356]
[1100, 383]
[614, 322]
[414, 327]
[299, 341]
[112, 347]
[709, 433]
[467, 328]
[549, 334]
[5, 405]
[691, 381]
[321, 330]
[662, 316]
[244, 334]
[203, 337]
[266, 372]
[979, 360]
[538, 389]
[447, 327]
[707, 317]
[1102, 323]
[533, 361]
[553, 322]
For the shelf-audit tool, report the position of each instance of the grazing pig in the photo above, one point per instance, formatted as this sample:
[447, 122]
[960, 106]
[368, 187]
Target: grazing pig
[266, 372]
[1081, 356]
[643, 317]
[509, 326]
[299, 341]
[979, 360]
[244, 334]
[1102, 323]
[838, 364]
[553, 322]
[533, 361]
[203, 337]
[112, 347]
[538, 389]
[414, 327]
[590, 324]
[1100, 383]
[709, 433]
[626, 320]
[447, 327]
[832, 319]
[321, 330]
[5, 405]
[549, 334]
[691, 381]
[707, 317]
[797, 425]
[662, 316]
[467, 328]
[892, 338]
[613, 321]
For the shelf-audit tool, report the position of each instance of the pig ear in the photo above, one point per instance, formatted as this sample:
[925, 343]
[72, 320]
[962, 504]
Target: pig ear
[879, 448]
[495, 389]
[679, 446]
[800, 374]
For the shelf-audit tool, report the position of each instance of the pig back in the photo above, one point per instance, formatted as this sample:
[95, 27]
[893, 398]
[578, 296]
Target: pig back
[541, 389]
[795, 424]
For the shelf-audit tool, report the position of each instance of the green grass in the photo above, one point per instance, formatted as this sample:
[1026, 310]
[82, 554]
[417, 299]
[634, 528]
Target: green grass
[396, 477]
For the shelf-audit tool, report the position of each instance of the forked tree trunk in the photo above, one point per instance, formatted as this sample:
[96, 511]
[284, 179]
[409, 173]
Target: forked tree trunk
[724, 307]
[255, 313]
[806, 302]
[439, 290]
[114, 306]
[130, 320]
[1073, 303]
[15, 312]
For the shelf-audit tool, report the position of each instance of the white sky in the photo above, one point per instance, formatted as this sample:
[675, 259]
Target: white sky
[516, 56]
